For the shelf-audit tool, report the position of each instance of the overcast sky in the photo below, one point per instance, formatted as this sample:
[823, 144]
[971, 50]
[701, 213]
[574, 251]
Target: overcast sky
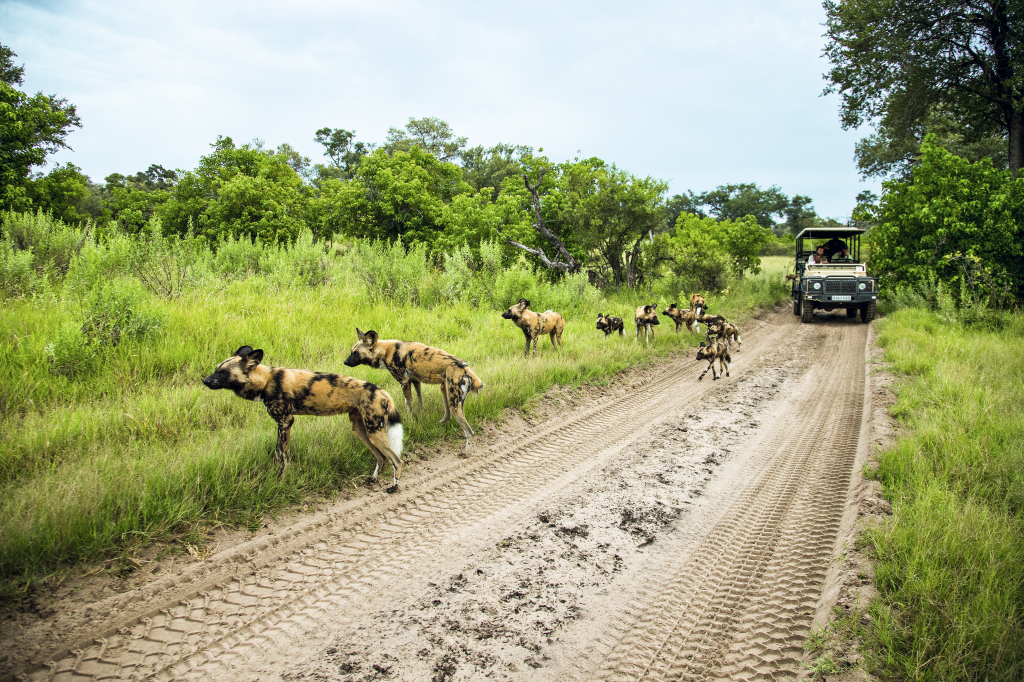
[698, 93]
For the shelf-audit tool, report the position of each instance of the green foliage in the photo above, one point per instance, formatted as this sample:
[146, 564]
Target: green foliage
[952, 209]
[52, 243]
[112, 314]
[30, 128]
[950, 567]
[168, 264]
[706, 251]
[899, 64]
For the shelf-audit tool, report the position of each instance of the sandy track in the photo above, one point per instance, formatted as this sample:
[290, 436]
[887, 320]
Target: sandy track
[681, 530]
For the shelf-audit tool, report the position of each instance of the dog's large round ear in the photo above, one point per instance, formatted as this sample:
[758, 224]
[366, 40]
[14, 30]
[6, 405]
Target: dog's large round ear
[243, 351]
[371, 337]
[253, 359]
[359, 334]
[702, 344]
[600, 315]
[524, 302]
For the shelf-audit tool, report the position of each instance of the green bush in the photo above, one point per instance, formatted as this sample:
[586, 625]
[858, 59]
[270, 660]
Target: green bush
[51, 243]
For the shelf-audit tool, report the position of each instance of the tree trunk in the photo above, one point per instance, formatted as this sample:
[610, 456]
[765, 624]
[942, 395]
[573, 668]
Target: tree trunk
[1016, 141]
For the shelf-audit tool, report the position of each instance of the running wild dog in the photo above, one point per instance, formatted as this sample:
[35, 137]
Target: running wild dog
[682, 318]
[536, 325]
[290, 392]
[412, 364]
[646, 318]
[609, 324]
[719, 350]
[697, 304]
[727, 331]
[711, 321]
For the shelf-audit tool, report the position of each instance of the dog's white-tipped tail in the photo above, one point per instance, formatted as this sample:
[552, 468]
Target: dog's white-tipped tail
[395, 434]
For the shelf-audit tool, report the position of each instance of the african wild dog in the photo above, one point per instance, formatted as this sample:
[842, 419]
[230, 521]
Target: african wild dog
[711, 321]
[609, 324]
[697, 304]
[682, 317]
[535, 325]
[646, 317]
[718, 350]
[290, 392]
[727, 331]
[412, 364]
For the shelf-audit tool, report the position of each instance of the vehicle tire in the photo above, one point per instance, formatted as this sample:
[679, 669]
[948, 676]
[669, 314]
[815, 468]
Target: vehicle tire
[851, 312]
[869, 311]
[806, 311]
[796, 307]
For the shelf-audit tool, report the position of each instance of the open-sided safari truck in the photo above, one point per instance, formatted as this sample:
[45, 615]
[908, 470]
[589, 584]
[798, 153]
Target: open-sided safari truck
[840, 282]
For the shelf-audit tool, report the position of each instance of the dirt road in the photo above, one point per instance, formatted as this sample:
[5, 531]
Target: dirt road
[661, 528]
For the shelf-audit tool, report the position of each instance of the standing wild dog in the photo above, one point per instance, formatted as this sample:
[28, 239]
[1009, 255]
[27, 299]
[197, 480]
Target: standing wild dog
[609, 324]
[412, 364]
[727, 331]
[536, 325]
[719, 350]
[697, 304]
[711, 321]
[290, 392]
[682, 318]
[646, 317]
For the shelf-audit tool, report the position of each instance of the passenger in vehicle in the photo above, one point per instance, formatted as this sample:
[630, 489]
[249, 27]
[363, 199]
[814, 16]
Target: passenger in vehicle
[818, 257]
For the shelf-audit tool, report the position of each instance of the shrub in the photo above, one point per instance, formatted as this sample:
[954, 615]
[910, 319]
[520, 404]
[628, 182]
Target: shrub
[112, 313]
[50, 241]
[389, 271]
[239, 258]
[167, 265]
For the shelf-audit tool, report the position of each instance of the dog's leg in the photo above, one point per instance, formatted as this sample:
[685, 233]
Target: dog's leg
[526, 353]
[407, 392]
[360, 430]
[726, 363]
[704, 372]
[447, 394]
[535, 345]
[460, 417]
[553, 344]
[637, 333]
[419, 394]
[282, 415]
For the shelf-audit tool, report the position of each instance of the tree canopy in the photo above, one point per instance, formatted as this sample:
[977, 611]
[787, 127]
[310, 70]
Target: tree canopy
[896, 63]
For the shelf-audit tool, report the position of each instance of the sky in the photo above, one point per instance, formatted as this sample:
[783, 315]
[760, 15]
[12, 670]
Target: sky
[697, 93]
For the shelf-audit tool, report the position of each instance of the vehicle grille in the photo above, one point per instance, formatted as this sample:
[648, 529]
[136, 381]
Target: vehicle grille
[840, 286]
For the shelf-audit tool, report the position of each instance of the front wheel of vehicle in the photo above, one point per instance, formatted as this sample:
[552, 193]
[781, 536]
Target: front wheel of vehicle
[796, 307]
[869, 311]
[851, 312]
[806, 311]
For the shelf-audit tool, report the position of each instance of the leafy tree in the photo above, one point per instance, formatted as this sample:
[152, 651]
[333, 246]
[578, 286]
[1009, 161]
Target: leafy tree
[30, 128]
[215, 201]
[951, 209]
[800, 214]
[61, 192]
[730, 202]
[430, 134]
[489, 167]
[684, 203]
[894, 151]
[343, 151]
[864, 212]
[895, 61]
[302, 165]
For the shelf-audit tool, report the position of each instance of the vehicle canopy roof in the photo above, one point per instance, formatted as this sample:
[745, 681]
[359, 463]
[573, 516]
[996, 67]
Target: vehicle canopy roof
[829, 232]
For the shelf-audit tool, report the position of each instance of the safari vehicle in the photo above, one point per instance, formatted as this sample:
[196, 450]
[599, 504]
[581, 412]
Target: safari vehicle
[843, 282]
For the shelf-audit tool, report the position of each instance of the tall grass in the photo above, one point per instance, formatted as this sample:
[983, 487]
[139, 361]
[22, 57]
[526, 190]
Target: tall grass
[133, 448]
[950, 565]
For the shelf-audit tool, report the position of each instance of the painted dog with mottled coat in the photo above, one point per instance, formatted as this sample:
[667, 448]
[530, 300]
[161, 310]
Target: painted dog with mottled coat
[290, 392]
[718, 350]
[609, 324]
[535, 325]
[646, 317]
[727, 331]
[697, 304]
[413, 364]
[682, 318]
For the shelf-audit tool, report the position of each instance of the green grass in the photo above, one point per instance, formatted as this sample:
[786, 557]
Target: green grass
[950, 564]
[137, 449]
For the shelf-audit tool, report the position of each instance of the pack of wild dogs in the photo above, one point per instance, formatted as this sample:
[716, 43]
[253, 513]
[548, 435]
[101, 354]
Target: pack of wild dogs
[287, 393]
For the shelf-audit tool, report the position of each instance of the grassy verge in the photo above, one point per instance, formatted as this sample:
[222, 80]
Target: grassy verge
[135, 449]
[950, 565]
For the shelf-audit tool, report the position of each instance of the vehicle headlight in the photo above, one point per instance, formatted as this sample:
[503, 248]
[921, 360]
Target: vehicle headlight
[862, 286]
[817, 285]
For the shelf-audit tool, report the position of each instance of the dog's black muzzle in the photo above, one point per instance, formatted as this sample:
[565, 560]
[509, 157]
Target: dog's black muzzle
[507, 315]
[211, 382]
[352, 361]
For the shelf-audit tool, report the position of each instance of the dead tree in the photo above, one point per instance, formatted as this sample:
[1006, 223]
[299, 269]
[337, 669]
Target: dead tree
[564, 262]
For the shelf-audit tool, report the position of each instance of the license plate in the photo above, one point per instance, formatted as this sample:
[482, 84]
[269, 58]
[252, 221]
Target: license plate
[842, 298]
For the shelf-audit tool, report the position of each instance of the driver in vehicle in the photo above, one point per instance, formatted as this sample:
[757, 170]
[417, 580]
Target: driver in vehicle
[843, 256]
[833, 246]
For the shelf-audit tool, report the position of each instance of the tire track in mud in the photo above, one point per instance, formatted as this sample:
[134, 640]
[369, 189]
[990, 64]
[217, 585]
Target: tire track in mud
[741, 602]
[243, 617]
